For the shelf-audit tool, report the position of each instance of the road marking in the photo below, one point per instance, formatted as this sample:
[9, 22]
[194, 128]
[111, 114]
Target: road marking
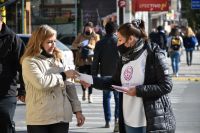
[197, 79]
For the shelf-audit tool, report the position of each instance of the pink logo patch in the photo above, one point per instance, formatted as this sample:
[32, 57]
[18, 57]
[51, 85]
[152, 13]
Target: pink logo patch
[128, 73]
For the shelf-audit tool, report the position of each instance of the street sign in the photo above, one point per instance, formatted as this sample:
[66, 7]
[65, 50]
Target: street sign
[150, 5]
[121, 3]
[195, 4]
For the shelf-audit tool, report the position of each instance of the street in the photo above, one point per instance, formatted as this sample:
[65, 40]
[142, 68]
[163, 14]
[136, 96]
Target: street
[185, 101]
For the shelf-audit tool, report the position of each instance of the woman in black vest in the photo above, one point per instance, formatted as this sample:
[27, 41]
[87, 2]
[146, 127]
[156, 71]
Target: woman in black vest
[142, 73]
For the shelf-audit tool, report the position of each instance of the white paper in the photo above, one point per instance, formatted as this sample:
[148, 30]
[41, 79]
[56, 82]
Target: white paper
[84, 43]
[85, 77]
[120, 88]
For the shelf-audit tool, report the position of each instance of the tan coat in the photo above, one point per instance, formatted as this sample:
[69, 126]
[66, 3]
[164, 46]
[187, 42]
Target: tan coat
[76, 46]
[48, 101]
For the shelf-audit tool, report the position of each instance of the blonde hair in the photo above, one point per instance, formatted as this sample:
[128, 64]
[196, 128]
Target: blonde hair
[189, 32]
[34, 46]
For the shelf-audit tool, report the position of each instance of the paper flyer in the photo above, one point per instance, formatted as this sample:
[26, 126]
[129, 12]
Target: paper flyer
[85, 77]
[120, 88]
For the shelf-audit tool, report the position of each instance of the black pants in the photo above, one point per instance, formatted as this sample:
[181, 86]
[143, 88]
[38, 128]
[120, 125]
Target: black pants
[189, 57]
[86, 69]
[53, 128]
[7, 110]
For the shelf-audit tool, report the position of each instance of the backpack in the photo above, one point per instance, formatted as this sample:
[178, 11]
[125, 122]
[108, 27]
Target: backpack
[194, 41]
[175, 43]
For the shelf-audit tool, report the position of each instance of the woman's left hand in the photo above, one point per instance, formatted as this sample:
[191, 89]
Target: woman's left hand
[131, 91]
[80, 119]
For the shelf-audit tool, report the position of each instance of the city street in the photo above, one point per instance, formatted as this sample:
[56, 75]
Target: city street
[185, 101]
[75, 27]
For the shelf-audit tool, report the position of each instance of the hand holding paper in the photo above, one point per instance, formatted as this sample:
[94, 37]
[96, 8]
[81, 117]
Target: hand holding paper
[131, 91]
[84, 43]
[120, 88]
[85, 79]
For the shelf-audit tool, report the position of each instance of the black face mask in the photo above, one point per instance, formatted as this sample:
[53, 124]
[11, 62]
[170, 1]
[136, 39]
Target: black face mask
[87, 33]
[123, 49]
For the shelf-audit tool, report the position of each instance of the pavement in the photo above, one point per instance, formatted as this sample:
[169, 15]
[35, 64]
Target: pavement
[191, 73]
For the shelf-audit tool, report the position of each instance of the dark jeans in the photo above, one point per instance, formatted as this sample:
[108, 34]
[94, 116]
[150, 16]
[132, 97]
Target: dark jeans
[86, 69]
[7, 110]
[189, 57]
[53, 128]
[135, 129]
[106, 104]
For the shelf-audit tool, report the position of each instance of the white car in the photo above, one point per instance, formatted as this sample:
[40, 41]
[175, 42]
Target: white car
[68, 54]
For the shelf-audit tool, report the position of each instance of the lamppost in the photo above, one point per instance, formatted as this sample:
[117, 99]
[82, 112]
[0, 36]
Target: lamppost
[22, 16]
[121, 5]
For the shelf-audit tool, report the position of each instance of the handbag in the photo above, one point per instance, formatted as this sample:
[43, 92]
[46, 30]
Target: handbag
[86, 52]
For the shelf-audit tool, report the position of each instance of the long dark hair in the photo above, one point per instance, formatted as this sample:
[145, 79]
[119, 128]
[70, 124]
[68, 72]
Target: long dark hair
[135, 28]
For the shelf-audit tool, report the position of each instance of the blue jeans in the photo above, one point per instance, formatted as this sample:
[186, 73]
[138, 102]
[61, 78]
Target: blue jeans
[106, 104]
[135, 129]
[175, 59]
[7, 110]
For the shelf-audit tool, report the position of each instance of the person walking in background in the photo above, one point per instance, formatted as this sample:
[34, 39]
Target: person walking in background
[160, 38]
[198, 38]
[153, 35]
[84, 45]
[11, 49]
[50, 99]
[175, 44]
[105, 61]
[142, 75]
[189, 42]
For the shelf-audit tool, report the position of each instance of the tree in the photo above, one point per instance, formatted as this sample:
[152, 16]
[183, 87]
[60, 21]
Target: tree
[192, 15]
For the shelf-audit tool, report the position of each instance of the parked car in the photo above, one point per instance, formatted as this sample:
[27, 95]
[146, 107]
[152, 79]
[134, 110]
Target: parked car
[68, 54]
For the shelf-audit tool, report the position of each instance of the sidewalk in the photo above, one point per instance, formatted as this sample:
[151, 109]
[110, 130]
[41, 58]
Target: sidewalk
[188, 72]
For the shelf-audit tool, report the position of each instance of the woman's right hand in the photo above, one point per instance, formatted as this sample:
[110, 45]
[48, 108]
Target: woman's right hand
[71, 74]
[85, 84]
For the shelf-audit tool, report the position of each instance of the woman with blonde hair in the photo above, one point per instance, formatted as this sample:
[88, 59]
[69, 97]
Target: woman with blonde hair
[190, 42]
[50, 99]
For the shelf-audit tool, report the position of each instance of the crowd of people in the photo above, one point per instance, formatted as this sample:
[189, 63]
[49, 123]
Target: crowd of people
[175, 42]
[112, 60]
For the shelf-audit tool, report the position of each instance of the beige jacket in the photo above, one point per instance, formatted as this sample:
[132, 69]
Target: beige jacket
[48, 100]
[76, 46]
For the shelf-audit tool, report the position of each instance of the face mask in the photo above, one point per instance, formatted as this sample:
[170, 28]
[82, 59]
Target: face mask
[123, 49]
[87, 33]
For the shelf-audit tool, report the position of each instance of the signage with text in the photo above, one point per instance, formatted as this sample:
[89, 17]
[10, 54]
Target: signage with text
[150, 5]
[195, 4]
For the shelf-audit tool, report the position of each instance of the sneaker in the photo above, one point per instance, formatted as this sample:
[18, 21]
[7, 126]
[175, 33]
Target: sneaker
[116, 128]
[176, 74]
[90, 100]
[107, 125]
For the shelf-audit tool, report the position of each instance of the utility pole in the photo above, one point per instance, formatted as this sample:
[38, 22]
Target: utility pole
[76, 17]
[22, 16]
